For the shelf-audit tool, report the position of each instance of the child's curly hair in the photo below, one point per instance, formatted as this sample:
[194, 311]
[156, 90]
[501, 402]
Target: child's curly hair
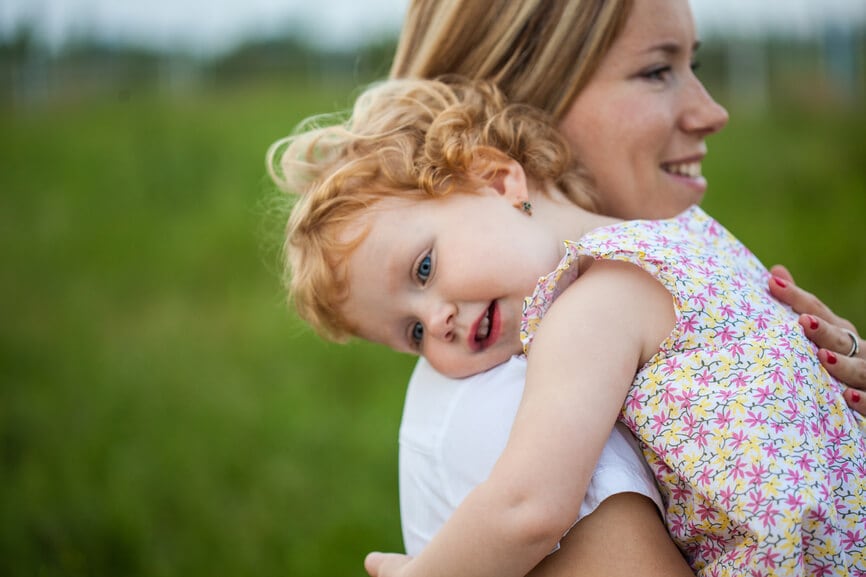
[405, 138]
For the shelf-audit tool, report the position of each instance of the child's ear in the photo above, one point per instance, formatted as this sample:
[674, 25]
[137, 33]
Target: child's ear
[505, 176]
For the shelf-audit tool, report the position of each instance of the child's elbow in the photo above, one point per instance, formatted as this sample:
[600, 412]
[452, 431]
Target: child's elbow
[538, 523]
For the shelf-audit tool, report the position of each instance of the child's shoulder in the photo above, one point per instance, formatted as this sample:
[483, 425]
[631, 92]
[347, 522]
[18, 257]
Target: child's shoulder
[616, 297]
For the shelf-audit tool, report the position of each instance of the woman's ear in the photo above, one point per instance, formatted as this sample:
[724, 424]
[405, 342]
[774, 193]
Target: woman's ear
[506, 177]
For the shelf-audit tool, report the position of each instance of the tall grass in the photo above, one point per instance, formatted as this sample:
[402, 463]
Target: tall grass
[163, 413]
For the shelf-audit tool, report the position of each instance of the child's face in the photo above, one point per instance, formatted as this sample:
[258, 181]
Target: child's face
[445, 278]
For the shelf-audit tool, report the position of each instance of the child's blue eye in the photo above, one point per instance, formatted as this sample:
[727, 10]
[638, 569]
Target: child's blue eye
[417, 333]
[425, 267]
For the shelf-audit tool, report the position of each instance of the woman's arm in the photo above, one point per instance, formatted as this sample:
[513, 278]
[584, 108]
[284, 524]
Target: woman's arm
[604, 326]
[829, 331]
[641, 545]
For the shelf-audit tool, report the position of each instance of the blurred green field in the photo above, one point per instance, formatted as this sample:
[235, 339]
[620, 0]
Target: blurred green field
[162, 413]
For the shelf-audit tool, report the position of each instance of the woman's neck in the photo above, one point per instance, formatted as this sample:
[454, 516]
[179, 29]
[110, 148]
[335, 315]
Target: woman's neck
[567, 220]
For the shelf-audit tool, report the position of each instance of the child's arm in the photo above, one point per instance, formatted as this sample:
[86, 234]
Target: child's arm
[583, 359]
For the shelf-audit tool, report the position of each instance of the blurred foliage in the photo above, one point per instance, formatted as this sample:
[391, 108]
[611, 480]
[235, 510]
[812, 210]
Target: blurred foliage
[163, 413]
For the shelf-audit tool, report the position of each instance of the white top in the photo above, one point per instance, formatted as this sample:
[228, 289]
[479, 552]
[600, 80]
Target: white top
[453, 431]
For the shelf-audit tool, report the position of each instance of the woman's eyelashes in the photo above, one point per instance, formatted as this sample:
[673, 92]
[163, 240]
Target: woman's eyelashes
[657, 73]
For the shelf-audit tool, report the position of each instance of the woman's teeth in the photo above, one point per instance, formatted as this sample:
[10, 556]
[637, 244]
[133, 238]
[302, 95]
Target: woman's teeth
[690, 169]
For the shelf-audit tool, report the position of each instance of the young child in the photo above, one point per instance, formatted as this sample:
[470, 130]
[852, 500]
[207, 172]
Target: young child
[423, 223]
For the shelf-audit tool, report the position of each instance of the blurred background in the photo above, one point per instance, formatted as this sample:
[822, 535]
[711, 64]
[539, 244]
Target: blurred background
[162, 412]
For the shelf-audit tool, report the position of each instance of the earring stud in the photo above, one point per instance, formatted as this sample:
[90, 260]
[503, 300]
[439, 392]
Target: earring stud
[524, 206]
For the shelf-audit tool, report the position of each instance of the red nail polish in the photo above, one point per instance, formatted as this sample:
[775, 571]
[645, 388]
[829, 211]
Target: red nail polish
[780, 282]
[813, 322]
[831, 357]
[855, 397]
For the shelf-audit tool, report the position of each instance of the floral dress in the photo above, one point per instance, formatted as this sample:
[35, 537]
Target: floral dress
[761, 465]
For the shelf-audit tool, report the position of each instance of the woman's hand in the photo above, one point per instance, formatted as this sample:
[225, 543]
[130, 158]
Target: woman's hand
[830, 332]
[385, 564]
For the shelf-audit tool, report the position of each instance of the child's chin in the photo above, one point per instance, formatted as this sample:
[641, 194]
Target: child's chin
[477, 363]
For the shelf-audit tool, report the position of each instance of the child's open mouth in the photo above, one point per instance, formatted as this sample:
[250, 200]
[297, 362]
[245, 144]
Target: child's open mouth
[486, 329]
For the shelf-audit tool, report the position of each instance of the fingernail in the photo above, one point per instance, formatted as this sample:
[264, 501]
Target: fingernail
[813, 322]
[780, 282]
[831, 357]
[855, 397]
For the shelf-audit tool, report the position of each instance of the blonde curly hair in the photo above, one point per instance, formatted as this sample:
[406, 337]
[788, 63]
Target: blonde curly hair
[416, 139]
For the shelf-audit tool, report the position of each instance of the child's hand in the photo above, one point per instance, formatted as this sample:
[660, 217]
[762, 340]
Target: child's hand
[385, 564]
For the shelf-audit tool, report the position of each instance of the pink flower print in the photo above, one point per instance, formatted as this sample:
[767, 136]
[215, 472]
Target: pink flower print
[771, 451]
[805, 462]
[762, 394]
[705, 512]
[700, 301]
[821, 569]
[737, 349]
[737, 470]
[755, 418]
[777, 376]
[677, 526]
[706, 476]
[791, 412]
[680, 493]
[769, 558]
[704, 378]
[671, 365]
[727, 310]
[711, 290]
[851, 538]
[768, 515]
[689, 324]
[775, 353]
[635, 400]
[793, 500]
[659, 422]
[740, 379]
[701, 437]
[738, 438]
[726, 334]
[757, 473]
[725, 496]
[724, 418]
[669, 395]
[756, 500]
[761, 321]
[818, 514]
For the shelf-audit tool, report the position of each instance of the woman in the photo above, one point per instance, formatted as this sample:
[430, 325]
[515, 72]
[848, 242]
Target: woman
[597, 66]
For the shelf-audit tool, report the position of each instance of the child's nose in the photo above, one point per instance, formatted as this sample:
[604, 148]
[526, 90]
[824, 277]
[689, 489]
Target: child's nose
[442, 320]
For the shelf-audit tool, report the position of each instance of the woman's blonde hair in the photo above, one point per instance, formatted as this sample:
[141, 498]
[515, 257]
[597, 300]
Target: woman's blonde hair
[405, 138]
[539, 52]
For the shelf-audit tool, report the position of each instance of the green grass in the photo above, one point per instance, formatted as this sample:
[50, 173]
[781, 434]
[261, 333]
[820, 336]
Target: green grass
[162, 413]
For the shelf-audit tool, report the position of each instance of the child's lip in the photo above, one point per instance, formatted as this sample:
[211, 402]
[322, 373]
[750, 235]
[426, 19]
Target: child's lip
[492, 334]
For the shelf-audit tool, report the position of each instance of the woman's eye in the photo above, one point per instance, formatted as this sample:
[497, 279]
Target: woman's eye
[659, 73]
[425, 267]
[417, 333]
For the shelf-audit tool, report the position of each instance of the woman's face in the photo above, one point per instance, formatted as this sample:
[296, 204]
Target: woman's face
[639, 126]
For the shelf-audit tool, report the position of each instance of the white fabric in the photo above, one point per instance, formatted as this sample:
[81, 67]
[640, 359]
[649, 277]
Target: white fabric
[453, 431]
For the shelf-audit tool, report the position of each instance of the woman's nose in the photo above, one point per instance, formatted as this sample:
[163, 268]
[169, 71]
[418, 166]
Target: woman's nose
[704, 115]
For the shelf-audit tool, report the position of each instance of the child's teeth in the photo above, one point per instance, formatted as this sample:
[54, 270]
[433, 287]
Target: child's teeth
[483, 329]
